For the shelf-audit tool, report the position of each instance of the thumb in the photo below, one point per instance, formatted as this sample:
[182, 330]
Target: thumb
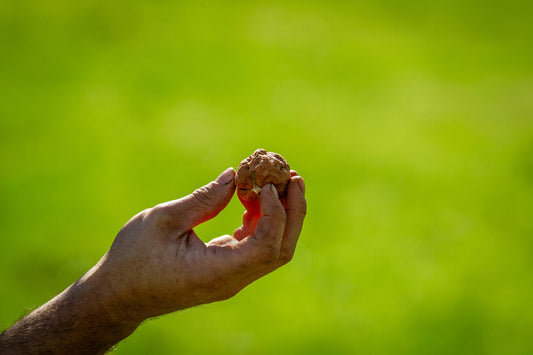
[204, 203]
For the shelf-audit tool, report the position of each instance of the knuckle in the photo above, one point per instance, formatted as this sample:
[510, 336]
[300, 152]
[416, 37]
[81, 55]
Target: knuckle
[161, 212]
[279, 214]
[159, 215]
[301, 206]
[268, 235]
[304, 207]
[224, 294]
[285, 257]
[227, 294]
[300, 209]
[268, 254]
[143, 215]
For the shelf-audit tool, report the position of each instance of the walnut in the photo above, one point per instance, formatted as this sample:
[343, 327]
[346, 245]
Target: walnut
[257, 170]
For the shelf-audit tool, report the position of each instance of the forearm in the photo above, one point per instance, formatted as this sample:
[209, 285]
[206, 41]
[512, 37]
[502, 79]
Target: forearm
[74, 322]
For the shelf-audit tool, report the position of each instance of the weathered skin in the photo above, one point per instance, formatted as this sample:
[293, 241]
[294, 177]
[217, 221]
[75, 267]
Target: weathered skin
[157, 264]
[256, 171]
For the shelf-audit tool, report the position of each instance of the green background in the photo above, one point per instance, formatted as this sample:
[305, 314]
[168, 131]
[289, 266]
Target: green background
[411, 121]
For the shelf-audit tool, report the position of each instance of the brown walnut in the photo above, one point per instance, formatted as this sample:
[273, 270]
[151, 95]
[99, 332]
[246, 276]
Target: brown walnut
[256, 171]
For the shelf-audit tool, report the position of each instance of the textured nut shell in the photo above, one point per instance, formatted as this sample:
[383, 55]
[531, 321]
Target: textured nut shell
[256, 171]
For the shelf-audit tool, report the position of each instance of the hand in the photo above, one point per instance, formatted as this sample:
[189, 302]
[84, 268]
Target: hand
[157, 264]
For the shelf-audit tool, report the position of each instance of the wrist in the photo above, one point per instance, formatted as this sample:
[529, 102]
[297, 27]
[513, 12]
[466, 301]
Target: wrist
[97, 288]
[81, 319]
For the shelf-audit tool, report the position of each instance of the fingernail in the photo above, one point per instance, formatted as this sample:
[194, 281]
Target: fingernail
[301, 185]
[273, 189]
[226, 177]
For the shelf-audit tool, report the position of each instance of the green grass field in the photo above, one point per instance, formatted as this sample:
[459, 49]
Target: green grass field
[412, 123]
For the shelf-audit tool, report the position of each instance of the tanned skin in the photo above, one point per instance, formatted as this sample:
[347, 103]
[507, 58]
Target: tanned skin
[158, 265]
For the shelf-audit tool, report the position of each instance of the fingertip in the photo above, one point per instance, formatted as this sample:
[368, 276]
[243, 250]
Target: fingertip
[269, 201]
[226, 177]
[273, 189]
[268, 191]
[297, 183]
[296, 195]
[301, 184]
[294, 173]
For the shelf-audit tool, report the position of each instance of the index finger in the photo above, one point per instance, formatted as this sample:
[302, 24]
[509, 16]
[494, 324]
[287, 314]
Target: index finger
[272, 223]
[265, 244]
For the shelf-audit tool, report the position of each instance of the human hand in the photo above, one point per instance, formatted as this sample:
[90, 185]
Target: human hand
[157, 264]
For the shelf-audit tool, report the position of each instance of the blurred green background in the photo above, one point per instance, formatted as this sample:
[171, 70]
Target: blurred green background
[411, 121]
